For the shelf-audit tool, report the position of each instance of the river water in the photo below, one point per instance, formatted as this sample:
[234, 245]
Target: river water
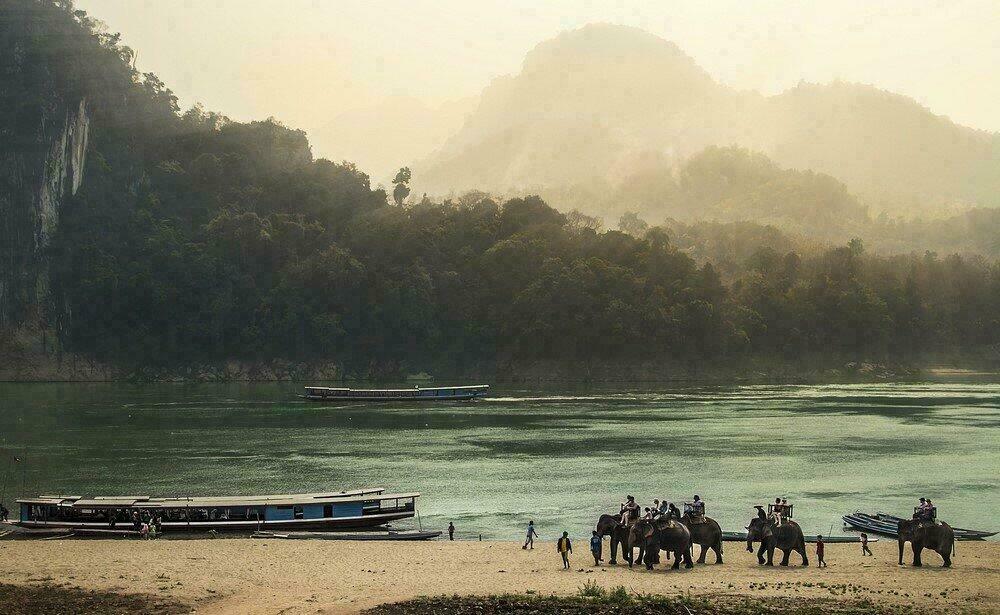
[560, 457]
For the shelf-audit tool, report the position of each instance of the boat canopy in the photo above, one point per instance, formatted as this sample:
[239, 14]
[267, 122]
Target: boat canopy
[221, 501]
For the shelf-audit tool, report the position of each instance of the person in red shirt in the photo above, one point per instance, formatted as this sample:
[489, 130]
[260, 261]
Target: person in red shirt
[819, 551]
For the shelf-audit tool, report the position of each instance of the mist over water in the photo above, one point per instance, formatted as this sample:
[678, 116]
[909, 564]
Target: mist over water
[560, 456]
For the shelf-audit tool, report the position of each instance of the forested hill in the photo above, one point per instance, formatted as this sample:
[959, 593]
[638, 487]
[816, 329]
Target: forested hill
[188, 239]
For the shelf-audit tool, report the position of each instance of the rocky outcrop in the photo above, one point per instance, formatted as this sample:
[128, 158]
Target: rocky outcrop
[43, 166]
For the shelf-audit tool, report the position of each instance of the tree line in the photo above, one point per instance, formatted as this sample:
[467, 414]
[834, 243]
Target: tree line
[198, 239]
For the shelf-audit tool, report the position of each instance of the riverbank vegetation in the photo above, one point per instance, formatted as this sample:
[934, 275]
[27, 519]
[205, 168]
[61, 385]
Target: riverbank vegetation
[620, 601]
[197, 239]
[57, 600]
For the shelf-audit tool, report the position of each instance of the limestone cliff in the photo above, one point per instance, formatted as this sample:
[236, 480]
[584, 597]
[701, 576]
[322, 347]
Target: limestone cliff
[45, 120]
[37, 177]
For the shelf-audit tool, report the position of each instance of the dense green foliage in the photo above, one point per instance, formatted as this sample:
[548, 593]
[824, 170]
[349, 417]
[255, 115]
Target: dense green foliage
[197, 239]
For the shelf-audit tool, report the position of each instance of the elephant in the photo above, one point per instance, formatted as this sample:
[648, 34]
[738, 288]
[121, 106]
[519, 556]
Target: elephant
[610, 525]
[707, 534]
[660, 534]
[936, 537]
[787, 536]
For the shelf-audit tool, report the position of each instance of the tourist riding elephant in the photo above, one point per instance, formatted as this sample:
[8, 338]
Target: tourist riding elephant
[660, 534]
[707, 533]
[610, 525]
[787, 536]
[936, 537]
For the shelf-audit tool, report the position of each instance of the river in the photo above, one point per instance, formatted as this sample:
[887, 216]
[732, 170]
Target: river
[560, 457]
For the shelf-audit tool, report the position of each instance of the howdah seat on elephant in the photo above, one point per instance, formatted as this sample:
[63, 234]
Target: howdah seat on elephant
[925, 515]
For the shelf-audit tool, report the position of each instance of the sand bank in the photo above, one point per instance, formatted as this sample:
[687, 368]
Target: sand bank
[231, 575]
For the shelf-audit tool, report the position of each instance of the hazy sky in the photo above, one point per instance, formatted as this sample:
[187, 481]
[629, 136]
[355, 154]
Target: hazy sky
[304, 61]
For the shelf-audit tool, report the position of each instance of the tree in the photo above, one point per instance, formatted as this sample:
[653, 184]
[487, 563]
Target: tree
[402, 188]
[631, 223]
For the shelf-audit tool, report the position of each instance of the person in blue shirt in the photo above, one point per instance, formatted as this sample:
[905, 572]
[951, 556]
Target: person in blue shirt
[529, 542]
[595, 548]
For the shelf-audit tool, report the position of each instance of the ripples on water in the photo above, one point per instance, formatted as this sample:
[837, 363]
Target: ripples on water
[561, 457]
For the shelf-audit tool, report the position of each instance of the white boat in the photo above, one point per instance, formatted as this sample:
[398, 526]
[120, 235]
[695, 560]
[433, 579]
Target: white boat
[361, 508]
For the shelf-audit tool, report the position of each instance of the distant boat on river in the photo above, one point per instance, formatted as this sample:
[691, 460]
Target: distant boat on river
[460, 393]
[345, 510]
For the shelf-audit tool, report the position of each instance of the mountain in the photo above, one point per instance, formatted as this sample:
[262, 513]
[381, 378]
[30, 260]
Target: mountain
[596, 104]
[384, 137]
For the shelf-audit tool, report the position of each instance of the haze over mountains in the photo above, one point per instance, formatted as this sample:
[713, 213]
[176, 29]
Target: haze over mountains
[595, 109]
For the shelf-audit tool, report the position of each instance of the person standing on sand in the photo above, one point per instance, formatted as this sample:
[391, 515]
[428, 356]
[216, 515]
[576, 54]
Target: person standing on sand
[819, 551]
[565, 547]
[529, 543]
[595, 548]
[864, 545]
[451, 531]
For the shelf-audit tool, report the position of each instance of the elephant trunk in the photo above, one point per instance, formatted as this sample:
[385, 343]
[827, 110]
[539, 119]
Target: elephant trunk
[901, 542]
[749, 543]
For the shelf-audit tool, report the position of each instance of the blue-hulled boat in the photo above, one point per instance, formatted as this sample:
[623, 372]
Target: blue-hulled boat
[362, 508]
[460, 393]
[887, 525]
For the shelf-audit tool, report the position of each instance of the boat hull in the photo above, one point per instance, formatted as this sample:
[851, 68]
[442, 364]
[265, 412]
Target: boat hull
[348, 523]
[461, 393]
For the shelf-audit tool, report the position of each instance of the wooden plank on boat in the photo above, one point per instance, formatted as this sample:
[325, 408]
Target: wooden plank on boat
[360, 536]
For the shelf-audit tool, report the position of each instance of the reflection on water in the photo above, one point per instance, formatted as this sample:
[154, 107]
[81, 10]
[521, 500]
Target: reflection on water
[560, 457]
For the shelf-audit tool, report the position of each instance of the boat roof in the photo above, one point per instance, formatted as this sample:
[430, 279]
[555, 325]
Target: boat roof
[145, 501]
[457, 388]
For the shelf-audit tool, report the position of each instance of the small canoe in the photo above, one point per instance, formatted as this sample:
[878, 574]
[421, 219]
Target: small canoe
[742, 537]
[881, 523]
[403, 535]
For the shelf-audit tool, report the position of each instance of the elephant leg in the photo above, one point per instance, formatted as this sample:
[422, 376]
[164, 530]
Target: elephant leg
[677, 559]
[687, 556]
[718, 552]
[701, 556]
[805, 557]
[784, 556]
[916, 556]
[760, 553]
[614, 550]
[770, 555]
[947, 558]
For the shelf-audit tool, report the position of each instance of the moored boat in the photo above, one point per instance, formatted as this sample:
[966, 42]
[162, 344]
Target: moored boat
[458, 393]
[742, 537]
[887, 525]
[346, 510]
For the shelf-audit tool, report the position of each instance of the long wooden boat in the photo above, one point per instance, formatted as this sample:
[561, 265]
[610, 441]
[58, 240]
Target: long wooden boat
[346, 510]
[742, 537]
[362, 536]
[887, 525]
[460, 393]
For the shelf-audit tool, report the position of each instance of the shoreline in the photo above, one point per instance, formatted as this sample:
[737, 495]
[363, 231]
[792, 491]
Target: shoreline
[831, 375]
[233, 575]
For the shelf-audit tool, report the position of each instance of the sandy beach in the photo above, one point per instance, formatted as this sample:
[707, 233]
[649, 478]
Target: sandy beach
[239, 575]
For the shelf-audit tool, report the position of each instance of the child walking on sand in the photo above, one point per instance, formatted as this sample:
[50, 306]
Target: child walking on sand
[819, 551]
[529, 543]
[595, 548]
[864, 545]
[565, 547]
